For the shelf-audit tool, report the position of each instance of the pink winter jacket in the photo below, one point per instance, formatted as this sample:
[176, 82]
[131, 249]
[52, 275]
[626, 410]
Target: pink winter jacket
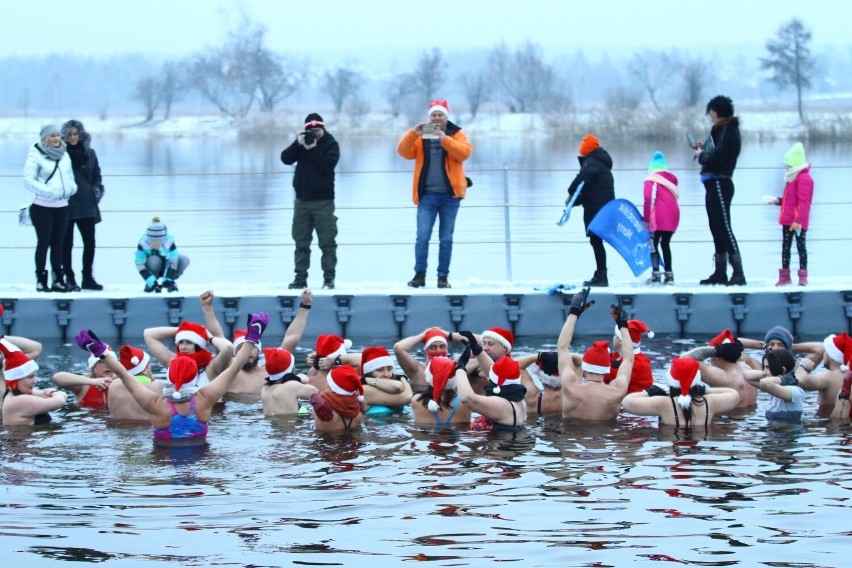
[796, 202]
[665, 213]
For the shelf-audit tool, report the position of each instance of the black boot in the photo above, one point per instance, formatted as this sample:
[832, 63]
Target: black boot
[71, 281]
[41, 281]
[669, 278]
[599, 279]
[738, 276]
[418, 281]
[89, 282]
[59, 284]
[720, 275]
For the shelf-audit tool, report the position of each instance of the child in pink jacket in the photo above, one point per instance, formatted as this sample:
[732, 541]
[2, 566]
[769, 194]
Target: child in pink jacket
[795, 212]
[661, 214]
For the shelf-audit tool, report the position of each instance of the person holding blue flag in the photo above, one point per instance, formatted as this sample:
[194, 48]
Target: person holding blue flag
[597, 187]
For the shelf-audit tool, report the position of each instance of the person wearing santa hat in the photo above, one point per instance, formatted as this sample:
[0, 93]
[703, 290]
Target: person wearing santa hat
[384, 391]
[836, 360]
[502, 408]
[778, 378]
[540, 376]
[642, 376]
[687, 402]
[329, 352]
[842, 408]
[121, 404]
[252, 377]
[284, 387]
[23, 404]
[181, 414]
[438, 186]
[438, 404]
[598, 189]
[725, 368]
[435, 344]
[340, 406]
[91, 391]
[587, 397]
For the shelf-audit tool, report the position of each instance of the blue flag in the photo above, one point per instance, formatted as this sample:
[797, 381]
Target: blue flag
[620, 224]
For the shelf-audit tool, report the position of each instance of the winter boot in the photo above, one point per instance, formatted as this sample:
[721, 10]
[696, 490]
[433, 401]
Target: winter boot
[737, 277]
[41, 281]
[418, 281]
[784, 277]
[655, 269]
[669, 281]
[328, 284]
[719, 276]
[298, 283]
[803, 277]
[59, 284]
[71, 281]
[656, 277]
[599, 279]
[442, 282]
[89, 282]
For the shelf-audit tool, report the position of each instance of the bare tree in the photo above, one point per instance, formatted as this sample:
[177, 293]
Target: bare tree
[476, 85]
[523, 78]
[652, 69]
[170, 87]
[341, 84]
[790, 59]
[695, 74]
[397, 89]
[148, 93]
[429, 75]
[277, 78]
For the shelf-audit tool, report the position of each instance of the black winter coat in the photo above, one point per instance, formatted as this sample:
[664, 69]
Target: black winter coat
[90, 189]
[314, 177]
[723, 158]
[599, 189]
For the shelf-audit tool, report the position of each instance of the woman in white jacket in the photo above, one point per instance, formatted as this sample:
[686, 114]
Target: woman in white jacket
[49, 176]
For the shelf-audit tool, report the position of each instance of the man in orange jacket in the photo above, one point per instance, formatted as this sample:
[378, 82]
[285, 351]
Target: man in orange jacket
[439, 185]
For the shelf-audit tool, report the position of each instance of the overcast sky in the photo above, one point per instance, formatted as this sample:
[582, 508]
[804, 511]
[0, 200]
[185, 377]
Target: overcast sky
[172, 28]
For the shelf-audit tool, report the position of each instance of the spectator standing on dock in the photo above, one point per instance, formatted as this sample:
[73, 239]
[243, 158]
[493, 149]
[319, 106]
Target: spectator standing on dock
[438, 187]
[83, 210]
[795, 214]
[158, 260]
[315, 153]
[661, 214]
[718, 158]
[598, 189]
[48, 174]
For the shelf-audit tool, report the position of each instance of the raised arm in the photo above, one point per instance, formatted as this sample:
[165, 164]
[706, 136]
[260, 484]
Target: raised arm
[217, 388]
[625, 370]
[409, 365]
[211, 322]
[297, 327]
[154, 337]
[224, 355]
[29, 347]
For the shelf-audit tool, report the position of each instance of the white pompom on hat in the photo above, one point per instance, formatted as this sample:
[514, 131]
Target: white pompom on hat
[133, 359]
[684, 373]
[440, 373]
[505, 371]
[636, 328]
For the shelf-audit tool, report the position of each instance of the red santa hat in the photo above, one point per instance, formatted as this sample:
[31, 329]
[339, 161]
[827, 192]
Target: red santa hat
[641, 377]
[343, 380]
[434, 334]
[504, 371]
[196, 333]
[596, 358]
[240, 338]
[94, 360]
[440, 106]
[684, 373]
[279, 362]
[16, 365]
[332, 346]
[839, 348]
[440, 373]
[373, 358]
[542, 378]
[182, 370]
[725, 337]
[133, 359]
[502, 336]
[636, 328]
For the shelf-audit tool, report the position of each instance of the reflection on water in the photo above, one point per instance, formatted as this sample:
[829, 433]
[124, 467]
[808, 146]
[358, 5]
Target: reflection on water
[272, 492]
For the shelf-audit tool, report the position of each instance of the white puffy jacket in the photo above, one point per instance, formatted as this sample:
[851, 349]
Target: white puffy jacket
[54, 193]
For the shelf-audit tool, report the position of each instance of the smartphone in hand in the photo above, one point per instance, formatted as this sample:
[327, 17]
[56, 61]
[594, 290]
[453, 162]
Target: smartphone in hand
[690, 139]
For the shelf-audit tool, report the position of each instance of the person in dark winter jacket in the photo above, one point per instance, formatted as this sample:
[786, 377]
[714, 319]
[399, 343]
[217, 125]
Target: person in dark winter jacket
[83, 210]
[598, 190]
[315, 153]
[718, 158]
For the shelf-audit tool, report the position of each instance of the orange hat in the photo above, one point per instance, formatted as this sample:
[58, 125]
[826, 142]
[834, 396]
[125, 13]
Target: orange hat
[588, 144]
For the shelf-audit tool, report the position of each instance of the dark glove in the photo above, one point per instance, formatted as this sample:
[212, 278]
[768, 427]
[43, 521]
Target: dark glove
[655, 390]
[548, 361]
[618, 313]
[474, 345]
[256, 324]
[321, 407]
[88, 341]
[461, 362]
[580, 303]
[169, 285]
[730, 352]
[789, 379]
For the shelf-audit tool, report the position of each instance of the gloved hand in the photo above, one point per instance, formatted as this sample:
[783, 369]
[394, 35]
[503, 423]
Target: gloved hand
[730, 352]
[655, 390]
[322, 408]
[151, 284]
[474, 345]
[169, 285]
[461, 362]
[789, 379]
[580, 303]
[88, 341]
[619, 314]
[548, 361]
[256, 325]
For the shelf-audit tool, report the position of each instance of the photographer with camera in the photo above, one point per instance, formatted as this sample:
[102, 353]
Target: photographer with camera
[315, 153]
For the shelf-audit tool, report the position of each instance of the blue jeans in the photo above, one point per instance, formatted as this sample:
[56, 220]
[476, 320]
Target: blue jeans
[432, 205]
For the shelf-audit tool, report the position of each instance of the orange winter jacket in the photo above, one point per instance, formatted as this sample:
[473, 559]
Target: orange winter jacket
[456, 150]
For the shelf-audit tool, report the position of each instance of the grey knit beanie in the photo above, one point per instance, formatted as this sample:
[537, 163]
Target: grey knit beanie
[156, 230]
[47, 130]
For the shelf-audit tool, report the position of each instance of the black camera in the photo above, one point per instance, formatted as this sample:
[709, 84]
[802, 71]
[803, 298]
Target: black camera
[310, 137]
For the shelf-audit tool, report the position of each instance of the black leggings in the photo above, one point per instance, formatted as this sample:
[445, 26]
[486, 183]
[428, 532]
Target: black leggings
[50, 224]
[718, 193]
[787, 235]
[662, 239]
[87, 232]
[600, 252]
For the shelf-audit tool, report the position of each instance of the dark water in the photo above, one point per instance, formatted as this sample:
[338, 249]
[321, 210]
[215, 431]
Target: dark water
[272, 492]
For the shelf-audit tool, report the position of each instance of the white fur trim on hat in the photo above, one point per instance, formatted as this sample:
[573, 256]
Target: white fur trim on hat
[191, 336]
[94, 360]
[589, 368]
[496, 337]
[21, 371]
[139, 365]
[440, 108]
[494, 379]
[831, 349]
[335, 388]
[377, 363]
[541, 379]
